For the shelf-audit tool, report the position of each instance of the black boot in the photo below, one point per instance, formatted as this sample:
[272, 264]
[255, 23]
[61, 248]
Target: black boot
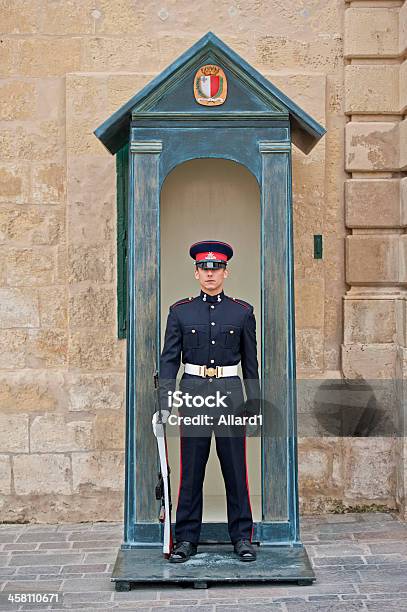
[182, 552]
[245, 550]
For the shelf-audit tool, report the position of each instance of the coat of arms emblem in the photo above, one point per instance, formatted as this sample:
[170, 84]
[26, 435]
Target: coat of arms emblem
[210, 85]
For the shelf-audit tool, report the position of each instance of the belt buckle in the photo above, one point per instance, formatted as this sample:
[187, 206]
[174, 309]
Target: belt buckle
[211, 371]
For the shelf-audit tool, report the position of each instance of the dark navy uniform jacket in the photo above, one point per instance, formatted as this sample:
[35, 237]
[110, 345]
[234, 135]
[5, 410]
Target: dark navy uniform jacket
[214, 331]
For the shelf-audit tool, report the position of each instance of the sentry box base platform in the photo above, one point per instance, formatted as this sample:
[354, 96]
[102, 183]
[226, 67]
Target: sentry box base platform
[213, 564]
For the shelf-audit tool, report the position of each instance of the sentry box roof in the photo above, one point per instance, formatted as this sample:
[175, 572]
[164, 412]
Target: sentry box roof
[170, 95]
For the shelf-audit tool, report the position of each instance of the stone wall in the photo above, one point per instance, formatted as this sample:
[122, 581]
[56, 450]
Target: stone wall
[375, 202]
[66, 67]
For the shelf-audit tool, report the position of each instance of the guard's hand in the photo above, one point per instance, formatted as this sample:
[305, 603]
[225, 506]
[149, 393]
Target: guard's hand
[164, 414]
[158, 427]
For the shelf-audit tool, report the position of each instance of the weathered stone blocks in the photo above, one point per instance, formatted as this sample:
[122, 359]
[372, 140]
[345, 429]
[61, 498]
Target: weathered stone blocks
[48, 183]
[20, 17]
[401, 327]
[14, 433]
[48, 56]
[29, 391]
[18, 307]
[125, 17]
[309, 306]
[369, 361]
[369, 321]
[91, 307]
[8, 49]
[14, 182]
[5, 475]
[371, 32]
[47, 348]
[373, 259]
[314, 465]
[90, 263]
[53, 433]
[13, 348]
[41, 474]
[70, 17]
[53, 306]
[369, 469]
[98, 471]
[36, 141]
[403, 86]
[18, 100]
[95, 392]
[114, 52]
[403, 29]
[91, 188]
[371, 146]
[109, 431]
[310, 349]
[96, 350]
[121, 87]
[372, 89]
[30, 225]
[403, 144]
[374, 203]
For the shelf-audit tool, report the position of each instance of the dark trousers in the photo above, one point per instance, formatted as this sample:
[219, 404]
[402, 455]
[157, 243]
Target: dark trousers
[194, 453]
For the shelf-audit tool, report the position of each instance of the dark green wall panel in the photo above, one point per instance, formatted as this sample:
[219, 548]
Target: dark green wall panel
[122, 190]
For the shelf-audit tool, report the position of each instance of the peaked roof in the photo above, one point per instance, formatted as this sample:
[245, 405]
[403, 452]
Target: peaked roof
[305, 131]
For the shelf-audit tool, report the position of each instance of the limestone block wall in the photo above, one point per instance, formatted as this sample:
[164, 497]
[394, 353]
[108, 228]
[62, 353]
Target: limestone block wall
[66, 66]
[375, 105]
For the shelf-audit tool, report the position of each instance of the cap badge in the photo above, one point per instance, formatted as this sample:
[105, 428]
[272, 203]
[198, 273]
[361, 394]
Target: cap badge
[210, 255]
[210, 85]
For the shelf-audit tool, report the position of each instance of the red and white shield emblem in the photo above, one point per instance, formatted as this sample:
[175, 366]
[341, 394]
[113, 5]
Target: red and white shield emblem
[210, 85]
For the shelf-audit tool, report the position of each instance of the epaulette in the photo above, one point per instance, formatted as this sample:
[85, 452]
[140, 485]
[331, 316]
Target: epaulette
[241, 302]
[183, 301]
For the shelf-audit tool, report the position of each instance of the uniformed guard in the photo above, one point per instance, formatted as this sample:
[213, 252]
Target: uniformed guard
[213, 332]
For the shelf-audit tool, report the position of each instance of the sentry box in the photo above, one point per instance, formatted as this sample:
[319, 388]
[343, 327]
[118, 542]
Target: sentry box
[209, 103]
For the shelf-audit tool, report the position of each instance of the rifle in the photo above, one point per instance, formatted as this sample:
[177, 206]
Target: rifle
[163, 487]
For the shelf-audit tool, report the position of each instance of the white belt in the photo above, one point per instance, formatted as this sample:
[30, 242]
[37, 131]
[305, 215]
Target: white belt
[203, 370]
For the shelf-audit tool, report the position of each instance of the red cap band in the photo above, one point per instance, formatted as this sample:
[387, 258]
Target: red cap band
[210, 256]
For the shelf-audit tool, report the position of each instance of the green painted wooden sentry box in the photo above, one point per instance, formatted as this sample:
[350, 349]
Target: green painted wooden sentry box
[161, 127]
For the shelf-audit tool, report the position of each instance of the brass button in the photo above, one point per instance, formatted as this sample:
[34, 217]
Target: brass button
[212, 306]
[231, 331]
[213, 341]
[193, 331]
[212, 361]
[213, 323]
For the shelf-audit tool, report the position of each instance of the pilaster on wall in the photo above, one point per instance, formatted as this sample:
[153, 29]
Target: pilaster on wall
[375, 338]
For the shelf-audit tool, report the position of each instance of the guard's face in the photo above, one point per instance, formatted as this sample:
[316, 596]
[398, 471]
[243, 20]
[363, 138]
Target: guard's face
[211, 280]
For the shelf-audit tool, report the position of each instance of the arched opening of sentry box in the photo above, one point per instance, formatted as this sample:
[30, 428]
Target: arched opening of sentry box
[214, 199]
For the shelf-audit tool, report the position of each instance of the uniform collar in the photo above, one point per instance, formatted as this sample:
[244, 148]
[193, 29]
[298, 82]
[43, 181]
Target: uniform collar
[205, 297]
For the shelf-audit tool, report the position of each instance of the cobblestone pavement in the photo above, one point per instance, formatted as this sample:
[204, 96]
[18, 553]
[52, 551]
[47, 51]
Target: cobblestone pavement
[360, 561]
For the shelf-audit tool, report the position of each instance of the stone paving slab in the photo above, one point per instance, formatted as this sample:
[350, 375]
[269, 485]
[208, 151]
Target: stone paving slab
[360, 561]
